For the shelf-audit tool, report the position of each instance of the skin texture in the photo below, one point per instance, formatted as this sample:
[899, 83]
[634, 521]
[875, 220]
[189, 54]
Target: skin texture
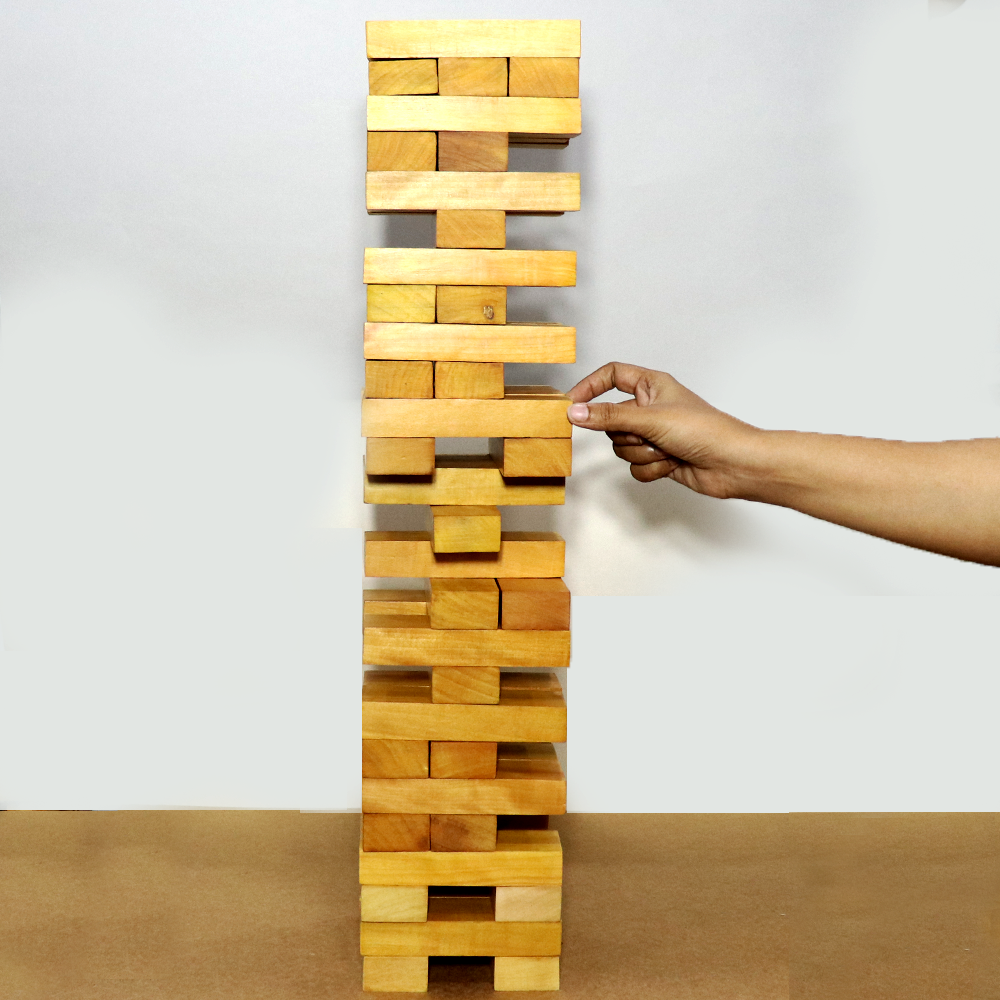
[943, 496]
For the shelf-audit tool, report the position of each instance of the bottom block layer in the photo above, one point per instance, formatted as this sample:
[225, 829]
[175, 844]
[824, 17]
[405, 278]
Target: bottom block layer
[526, 974]
[395, 975]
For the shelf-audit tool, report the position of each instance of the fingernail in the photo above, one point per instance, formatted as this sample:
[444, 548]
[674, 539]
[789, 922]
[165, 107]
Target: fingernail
[578, 412]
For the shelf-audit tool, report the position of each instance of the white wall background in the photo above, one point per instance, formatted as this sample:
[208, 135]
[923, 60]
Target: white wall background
[791, 206]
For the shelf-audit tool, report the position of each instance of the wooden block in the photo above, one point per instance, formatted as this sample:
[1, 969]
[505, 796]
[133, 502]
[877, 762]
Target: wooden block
[422, 265]
[399, 456]
[407, 76]
[543, 77]
[518, 192]
[397, 705]
[399, 380]
[387, 832]
[472, 152]
[463, 604]
[409, 641]
[463, 833]
[402, 903]
[485, 76]
[388, 974]
[471, 229]
[396, 602]
[466, 480]
[517, 457]
[549, 116]
[470, 39]
[522, 857]
[525, 902]
[515, 415]
[534, 604]
[466, 529]
[395, 759]
[465, 685]
[451, 759]
[542, 343]
[402, 151]
[524, 974]
[401, 303]
[472, 304]
[467, 379]
[523, 554]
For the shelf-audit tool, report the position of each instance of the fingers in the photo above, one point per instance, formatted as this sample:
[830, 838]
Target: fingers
[626, 417]
[613, 375]
[656, 470]
[641, 454]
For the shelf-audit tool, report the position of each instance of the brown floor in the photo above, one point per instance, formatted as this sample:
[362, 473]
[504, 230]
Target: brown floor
[193, 905]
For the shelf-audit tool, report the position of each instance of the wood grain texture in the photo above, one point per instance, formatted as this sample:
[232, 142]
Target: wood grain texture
[429, 265]
[465, 685]
[404, 76]
[384, 974]
[538, 343]
[462, 228]
[396, 602]
[465, 529]
[397, 705]
[522, 857]
[401, 303]
[527, 902]
[529, 115]
[467, 379]
[399, 456]
[472, 304]
[471, 39]
[544, 77]
[396, 759]
[482, 76]
[523, 974]
[402, 151]
[399, 380]
[534, 604]
[398, 903]
[518, 457]
[387, 832]
[452, 935]
[479, 152]
[463, 833]
[524, 554]
[459, 759]
[432, 191]
[462, 604]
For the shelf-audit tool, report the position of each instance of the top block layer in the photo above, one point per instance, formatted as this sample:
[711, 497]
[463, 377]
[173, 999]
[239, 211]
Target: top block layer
[470, 39]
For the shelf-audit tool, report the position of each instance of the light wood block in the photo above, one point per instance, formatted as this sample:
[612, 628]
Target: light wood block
[475, 152]
[400, 903]
[387, 974]
[405, 76]
[543, 77]
[542, 343]
[522, 857]
[523, 554]
[401, 303]
[534, 604]
[517, 457]
[402, 150]
[524, 974]
[471, 229]
[463, 604]
[465, 529]
[467, 379]
[399, 380]
[399, 456]
[421, 265]
[396, 602]
[518, 192]
[529, 115]
[467, 480]
[409, 641]
[383, 831]
[471, 39]
[485, 76]
[525, 902]
[397, 705]
[517, 415]
[465, 685]
[451, 759]
[463, 833]
[395, 759]
[472, 304]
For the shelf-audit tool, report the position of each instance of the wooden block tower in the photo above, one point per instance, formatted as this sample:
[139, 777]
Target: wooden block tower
[460, 706]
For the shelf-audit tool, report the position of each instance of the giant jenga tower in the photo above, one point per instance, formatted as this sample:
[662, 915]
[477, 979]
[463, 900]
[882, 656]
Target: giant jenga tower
[460, 706]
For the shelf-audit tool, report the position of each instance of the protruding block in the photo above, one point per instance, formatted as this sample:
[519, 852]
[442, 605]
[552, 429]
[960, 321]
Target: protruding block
[396, 759]
[401, 303]
[464, 604]
[527, 902]
[532, 456]
[451, 759]
[403, 76]
[396, 602]
[395, 974]
[421, 39]
[544, 77]
[471, 151]
[472, 229]
[399, 380]
[524, 974]
[399, 456]
[534, 604]
[482, 77]
[395, 831]
[546, 343]
[396, 903]
[463, 833]
[468, 380]
[476, 304]
[466, 529]
[431, 191]
[465, 685]
[402, 151]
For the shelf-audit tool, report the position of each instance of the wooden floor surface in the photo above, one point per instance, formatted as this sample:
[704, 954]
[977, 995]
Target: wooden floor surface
[193, 905]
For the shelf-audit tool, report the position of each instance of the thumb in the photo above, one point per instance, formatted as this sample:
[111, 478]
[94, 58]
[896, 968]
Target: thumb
[612, 417]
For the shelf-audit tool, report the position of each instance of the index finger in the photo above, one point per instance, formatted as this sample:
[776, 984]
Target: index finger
[614, 375]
